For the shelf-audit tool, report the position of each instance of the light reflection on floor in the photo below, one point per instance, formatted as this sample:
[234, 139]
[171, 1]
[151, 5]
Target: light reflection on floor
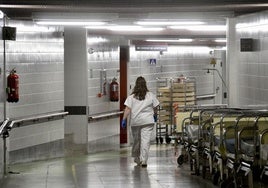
[106, 169]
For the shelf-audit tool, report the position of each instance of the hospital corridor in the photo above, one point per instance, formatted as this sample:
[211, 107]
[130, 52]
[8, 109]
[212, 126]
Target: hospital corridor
[83, 81]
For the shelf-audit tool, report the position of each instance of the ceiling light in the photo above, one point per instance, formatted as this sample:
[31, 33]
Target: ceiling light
[220, 40]
[185, 40]
[133, 28]
[169, 40]
[168, 23]
[186, 49]
[96, 27]
[34, 28]
[125, 28]
[69, 23]
[200, 27]
[96, 40]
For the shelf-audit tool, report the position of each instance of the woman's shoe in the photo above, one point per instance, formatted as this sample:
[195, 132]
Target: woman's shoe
[137, 161]
[143, 165]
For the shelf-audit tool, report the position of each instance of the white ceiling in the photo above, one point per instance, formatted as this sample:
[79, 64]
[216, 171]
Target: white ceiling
[123, 14]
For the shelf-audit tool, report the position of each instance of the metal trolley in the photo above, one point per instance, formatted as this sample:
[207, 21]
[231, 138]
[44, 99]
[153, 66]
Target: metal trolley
[174, 95]
[192, 134]
[231, 147]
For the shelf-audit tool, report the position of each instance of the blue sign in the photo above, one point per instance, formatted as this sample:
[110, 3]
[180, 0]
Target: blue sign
[152, 61]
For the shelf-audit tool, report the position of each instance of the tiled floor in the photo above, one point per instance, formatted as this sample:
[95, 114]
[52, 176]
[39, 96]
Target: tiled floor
[106, 169]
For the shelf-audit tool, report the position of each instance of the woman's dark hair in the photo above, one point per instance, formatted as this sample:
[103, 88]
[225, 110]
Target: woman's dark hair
[140, 88]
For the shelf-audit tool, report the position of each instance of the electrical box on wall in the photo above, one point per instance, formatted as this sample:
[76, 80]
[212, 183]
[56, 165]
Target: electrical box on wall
[246, 45]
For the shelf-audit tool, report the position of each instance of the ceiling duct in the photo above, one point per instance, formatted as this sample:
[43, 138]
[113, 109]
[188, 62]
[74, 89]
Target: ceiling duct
[14, 9]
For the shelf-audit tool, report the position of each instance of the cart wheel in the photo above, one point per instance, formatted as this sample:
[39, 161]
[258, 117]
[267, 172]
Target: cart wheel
[168, 140]
[180, 160]
[264, 179]
[191, 165]
[196, 170]
[161, 140]
[178, 141]
[229, 183]
[215, 178]
[223, 184]
[204, 172]
[157, 141]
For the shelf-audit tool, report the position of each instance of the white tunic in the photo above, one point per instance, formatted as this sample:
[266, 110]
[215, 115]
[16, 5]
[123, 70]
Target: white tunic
[142, 111]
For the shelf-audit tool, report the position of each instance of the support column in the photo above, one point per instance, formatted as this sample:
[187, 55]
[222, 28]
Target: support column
[76, 89]
[232, 63]
[124, 56]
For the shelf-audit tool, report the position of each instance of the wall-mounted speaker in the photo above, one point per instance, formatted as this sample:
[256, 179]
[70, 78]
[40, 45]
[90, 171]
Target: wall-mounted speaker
[246, 45]
[9, 33]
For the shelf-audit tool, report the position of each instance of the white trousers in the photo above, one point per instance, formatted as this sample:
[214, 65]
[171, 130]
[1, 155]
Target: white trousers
[141, 141]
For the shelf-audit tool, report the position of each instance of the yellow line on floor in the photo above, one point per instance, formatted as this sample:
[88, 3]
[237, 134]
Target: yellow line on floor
[74, 176]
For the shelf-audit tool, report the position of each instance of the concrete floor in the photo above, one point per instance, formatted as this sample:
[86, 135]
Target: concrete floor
[106, 169]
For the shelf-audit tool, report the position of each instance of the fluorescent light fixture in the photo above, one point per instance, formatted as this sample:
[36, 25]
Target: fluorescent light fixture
[200, 27]
[150, 29]
[185, 40]
[169, 23]
[125, 28]
[169, 40]
[220, 40]
[34, 28]
[96, 40]
[187, 49]
[96, 27]
[133, 28]
[69, 23]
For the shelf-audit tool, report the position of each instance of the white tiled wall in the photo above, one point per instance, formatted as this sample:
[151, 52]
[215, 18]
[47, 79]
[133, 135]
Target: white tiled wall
[38, 59]
[39, 134]
[105, 57]
[37, 55]
[102, 135]
[176, 61]
[253, 66]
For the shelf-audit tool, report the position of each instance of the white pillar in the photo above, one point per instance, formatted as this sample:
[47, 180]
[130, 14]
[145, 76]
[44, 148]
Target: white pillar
[232, 63]
[76, 85]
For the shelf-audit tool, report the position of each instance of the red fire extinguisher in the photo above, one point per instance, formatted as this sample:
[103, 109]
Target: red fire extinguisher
[13, 86]
[114, 90]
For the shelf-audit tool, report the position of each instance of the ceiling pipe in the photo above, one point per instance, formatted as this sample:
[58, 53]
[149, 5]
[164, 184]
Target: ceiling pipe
[86, 7]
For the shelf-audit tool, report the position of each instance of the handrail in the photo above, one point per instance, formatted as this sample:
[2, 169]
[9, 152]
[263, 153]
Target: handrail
[35, 119]
[3, 126]
[105, 115]
[7, 125]
[204, 97]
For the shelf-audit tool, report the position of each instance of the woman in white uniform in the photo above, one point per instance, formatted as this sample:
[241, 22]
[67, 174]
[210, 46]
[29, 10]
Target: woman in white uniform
[141, 105]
